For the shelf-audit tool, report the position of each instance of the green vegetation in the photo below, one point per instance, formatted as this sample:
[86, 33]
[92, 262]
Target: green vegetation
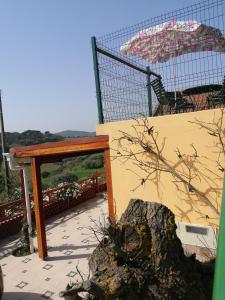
[68, 170]
[24, 248]
[71, 169]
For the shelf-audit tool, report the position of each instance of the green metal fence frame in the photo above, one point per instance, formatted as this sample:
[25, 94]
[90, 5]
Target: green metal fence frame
[219, 275]
[149, 91]
[97, 80]
[147, 72]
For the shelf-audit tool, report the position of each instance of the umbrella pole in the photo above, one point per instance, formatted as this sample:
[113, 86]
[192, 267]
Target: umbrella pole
[175, 72]
[175, 78]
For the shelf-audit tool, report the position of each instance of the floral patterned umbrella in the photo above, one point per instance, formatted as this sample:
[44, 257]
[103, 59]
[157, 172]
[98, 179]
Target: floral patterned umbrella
[172, 39]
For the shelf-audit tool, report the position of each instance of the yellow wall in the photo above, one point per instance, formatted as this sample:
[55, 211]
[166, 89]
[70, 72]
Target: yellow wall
[178, 132]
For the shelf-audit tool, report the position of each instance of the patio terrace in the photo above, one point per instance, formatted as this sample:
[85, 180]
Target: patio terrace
[70, 242]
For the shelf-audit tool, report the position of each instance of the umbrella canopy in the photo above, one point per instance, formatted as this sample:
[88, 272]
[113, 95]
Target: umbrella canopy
[172, 39]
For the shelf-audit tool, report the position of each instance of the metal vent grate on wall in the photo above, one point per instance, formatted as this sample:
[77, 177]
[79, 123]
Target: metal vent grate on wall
[197, 235]
[197, 229]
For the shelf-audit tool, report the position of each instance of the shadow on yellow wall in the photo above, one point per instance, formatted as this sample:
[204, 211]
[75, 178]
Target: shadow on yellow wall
[175, 159]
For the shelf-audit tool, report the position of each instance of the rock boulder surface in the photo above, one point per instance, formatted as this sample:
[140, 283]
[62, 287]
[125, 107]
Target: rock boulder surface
[141, 257]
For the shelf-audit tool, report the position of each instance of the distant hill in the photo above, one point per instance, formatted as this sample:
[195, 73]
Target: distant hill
[30, 137]
[74, 133]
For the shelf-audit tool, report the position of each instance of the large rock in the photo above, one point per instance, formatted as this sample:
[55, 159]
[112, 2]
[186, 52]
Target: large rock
[142, 258]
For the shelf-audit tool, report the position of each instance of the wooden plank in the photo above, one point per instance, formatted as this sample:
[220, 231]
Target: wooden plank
[108, 175]
[64, 147]
[38, 208]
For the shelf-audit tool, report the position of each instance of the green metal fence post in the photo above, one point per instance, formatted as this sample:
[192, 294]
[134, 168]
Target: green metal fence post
[219, 275]
[149, 92]
[97, 80]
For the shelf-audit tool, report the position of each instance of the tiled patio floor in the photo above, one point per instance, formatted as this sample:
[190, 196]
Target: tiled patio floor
[69, 244]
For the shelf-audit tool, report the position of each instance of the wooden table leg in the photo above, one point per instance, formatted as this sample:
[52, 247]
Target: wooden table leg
[38, 208]
[109, 186]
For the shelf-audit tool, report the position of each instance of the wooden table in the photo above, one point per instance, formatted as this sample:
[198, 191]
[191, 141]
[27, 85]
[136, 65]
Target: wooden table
[53, 152]
[201, 89]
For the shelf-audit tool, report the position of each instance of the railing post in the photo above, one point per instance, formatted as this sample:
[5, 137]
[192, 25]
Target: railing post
[97, 80]
[219, 274]
[23, 196]
[149, 92]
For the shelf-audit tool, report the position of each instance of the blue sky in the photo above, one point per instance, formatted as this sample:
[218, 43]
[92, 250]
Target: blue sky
[46, 70]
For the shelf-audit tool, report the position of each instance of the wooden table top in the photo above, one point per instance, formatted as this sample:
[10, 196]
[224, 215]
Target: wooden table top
[63, 148]
[200, 89]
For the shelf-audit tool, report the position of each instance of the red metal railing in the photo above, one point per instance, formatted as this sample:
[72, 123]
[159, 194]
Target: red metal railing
[16, 209]
[10, 209]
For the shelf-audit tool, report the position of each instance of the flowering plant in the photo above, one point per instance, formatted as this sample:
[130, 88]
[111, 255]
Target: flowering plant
[66, 192]
[87, 183]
